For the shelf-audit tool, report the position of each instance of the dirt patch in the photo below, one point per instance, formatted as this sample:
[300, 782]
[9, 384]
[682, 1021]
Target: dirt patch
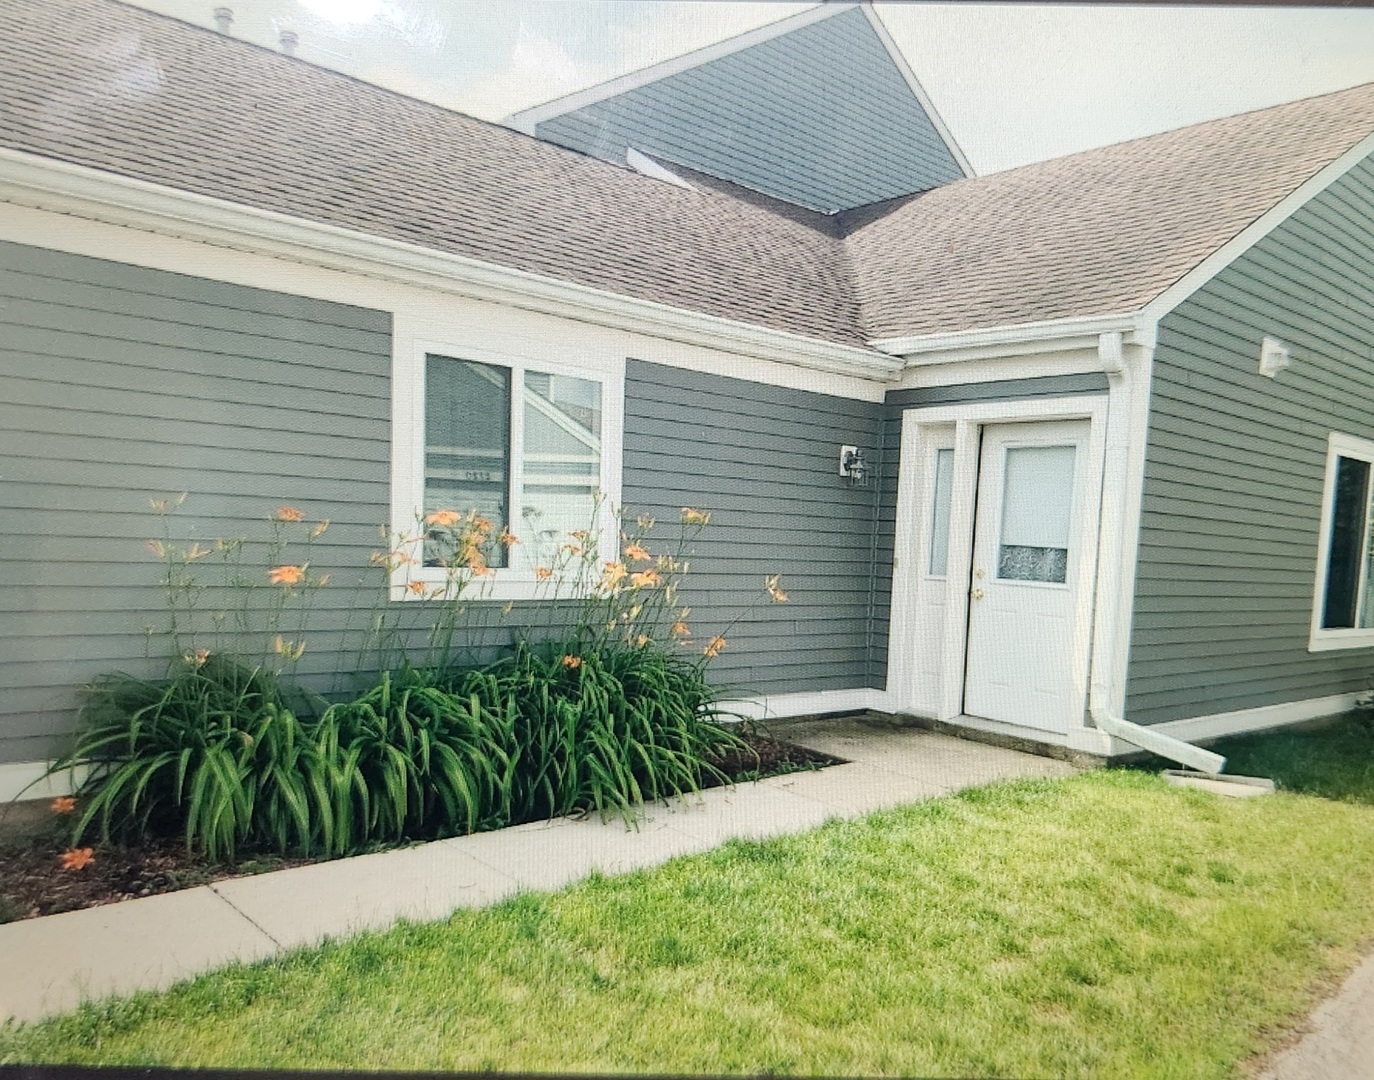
[33, 882]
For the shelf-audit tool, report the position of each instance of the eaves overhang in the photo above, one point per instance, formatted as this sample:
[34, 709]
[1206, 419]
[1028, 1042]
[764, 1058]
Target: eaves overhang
[1021, 339]
[42, 183]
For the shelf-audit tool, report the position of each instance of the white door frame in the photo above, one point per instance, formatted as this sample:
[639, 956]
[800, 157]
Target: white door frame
[912, 512]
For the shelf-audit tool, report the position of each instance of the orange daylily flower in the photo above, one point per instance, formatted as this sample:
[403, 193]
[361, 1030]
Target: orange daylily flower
[416, 587]
[580, 534]
[292, 650]
[637, 553]
[445, 519]
[771, 585]
[77, 858]
[286, 575]
[63, 804]
[542, 573]
[714, 647]
[646, 579]
[613, 574]
[508, 538]
[691, 516]
[289, 513]
[572, 662]
[680, 629]
[480, 523]
[642, 640]
[197, 658]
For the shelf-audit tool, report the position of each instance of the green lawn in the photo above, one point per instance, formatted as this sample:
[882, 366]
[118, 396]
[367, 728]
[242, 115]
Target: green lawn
[1335, 762]
[1105, 925]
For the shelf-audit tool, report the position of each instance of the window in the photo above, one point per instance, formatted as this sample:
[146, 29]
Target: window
[1343, 610]
[939, 512]
[531, 445]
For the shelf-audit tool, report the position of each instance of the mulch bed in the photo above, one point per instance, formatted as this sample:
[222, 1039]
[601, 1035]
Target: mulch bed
[33, 882]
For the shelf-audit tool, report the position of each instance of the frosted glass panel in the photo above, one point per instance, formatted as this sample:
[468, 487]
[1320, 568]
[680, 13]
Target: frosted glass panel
[939, 512]
[1037, 503]
[467, 444]
[562, 462]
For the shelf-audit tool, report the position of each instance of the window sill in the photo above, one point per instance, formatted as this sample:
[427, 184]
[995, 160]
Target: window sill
[1332, 640]
[500, 587]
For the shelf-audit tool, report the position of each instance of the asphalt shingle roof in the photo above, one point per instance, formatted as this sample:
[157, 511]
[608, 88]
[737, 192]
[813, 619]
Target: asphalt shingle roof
[142, 95]
[1094, 233]
[120, 89]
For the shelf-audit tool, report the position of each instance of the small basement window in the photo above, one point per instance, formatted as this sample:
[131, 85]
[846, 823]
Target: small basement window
[1343, 609]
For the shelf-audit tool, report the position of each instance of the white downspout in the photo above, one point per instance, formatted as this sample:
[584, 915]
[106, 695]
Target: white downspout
[1129, 380]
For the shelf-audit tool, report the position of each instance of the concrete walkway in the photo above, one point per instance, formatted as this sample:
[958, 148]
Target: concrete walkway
[49, 965]
[1340, 1039]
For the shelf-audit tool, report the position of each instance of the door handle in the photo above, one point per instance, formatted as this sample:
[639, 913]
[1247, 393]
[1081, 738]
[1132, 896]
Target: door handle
[977, 594]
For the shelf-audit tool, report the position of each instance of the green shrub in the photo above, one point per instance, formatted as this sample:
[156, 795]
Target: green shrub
[214, 751]
[410, 759]
[598, 730]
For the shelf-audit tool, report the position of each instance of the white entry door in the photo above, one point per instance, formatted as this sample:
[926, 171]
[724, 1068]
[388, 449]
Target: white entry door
[1025, 582]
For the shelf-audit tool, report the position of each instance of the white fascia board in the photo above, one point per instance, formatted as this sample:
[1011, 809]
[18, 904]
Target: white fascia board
[527, 119]
[1018, 340]
[1256, 231]
[917, 89]
[47, 184]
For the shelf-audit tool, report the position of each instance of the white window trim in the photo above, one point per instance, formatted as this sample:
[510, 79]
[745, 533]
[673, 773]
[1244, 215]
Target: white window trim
[1321, 639]
[412, 343]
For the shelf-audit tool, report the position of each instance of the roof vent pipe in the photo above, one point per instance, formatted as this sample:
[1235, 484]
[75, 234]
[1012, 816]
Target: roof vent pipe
[224, 19]
[288, 41]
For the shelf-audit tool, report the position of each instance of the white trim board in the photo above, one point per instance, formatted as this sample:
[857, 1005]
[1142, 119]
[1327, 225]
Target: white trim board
[1216, 725]
[918, 91]
[41, 183]
[17, 776]
[527, 119]
[814, 703]
[1256, 231]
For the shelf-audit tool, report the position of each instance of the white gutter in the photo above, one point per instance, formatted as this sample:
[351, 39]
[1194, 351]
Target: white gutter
[59, 186]
[1053, 333]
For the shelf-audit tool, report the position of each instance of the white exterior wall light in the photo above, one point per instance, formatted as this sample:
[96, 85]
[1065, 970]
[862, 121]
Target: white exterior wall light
[1274, 357]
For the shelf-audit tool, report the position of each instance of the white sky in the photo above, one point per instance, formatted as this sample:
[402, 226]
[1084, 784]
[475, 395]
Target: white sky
[1013, 83]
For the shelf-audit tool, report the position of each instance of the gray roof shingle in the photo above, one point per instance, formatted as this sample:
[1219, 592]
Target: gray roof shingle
[117, 88]
[121, 89]
[1094, 233]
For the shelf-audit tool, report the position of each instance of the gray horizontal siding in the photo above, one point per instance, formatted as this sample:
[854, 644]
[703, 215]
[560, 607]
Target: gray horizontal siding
[123, 384]
[897, 402]
[1235, 464]
[819, 116]
[764, 461]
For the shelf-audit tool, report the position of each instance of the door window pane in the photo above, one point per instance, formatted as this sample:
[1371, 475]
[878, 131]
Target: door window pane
[562, 462]
[1348, 551]
[467, 445]
[1037, 505]
[939, 513]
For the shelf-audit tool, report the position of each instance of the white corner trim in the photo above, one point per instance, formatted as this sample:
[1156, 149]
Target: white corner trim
[24, 780]
[1215, 725]
[647, 166]
[1256, 231]
[956, 151]
[527, 119]
[1024, 339]
[782, 706]
[46, 184]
